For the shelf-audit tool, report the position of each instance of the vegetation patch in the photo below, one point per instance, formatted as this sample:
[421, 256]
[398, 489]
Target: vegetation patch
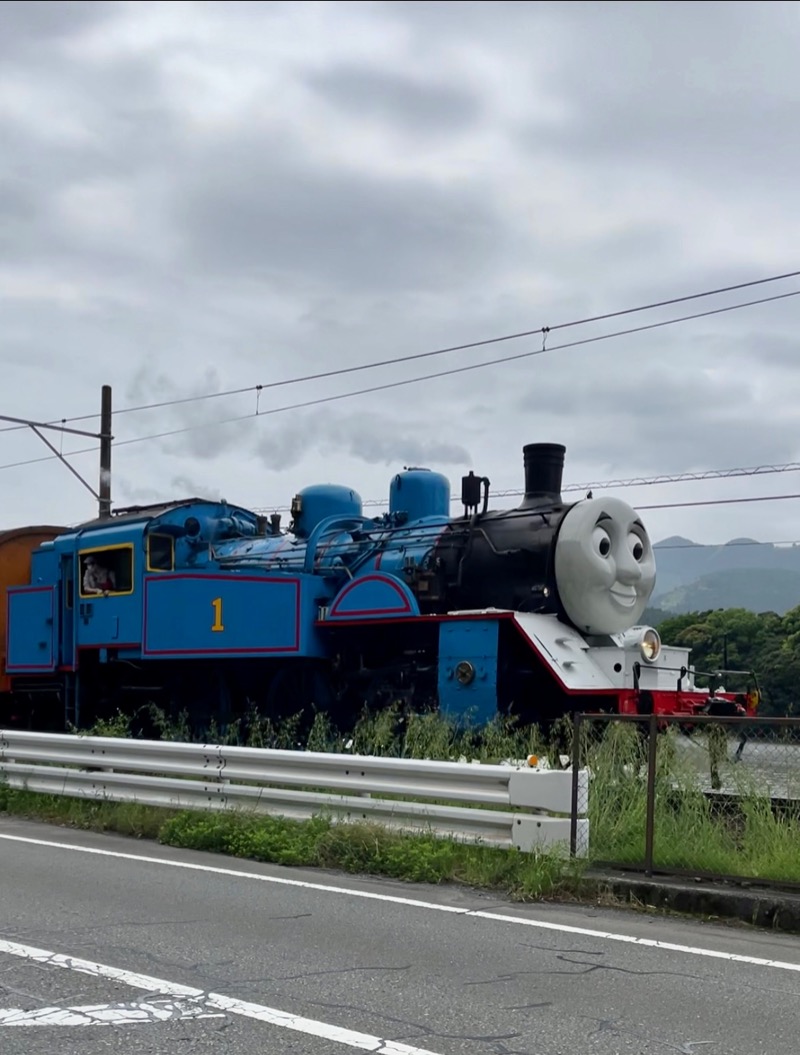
[743, 836]
[365, 849]
[749, 838]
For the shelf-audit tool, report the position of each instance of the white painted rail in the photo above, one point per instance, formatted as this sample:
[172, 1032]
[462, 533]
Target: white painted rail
[511, 806]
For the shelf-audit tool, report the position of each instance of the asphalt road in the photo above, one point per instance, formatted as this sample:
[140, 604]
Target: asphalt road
[103, 951]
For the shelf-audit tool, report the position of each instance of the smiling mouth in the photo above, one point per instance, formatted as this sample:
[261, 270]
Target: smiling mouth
[626, 595]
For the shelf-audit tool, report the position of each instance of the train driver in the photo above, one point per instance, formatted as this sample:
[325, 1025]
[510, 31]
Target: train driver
[96, 578]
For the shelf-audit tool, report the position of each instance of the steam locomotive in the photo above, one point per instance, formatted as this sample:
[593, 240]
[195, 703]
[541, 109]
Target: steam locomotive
[208, 608]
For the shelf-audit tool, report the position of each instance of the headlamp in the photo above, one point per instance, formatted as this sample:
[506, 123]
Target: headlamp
[650, 645]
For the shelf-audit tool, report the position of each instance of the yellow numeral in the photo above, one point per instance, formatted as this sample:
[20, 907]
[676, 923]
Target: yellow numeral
[216, 604]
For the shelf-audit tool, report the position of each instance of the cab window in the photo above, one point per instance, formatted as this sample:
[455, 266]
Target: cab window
[160, 553]
[106, 571]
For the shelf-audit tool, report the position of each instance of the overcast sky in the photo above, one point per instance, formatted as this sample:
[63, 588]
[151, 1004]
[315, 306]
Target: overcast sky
[196, 197]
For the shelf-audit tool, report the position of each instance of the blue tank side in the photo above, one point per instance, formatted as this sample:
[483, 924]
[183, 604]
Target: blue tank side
[419, 493]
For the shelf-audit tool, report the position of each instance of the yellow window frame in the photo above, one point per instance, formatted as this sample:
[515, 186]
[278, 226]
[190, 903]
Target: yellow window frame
[106, 549]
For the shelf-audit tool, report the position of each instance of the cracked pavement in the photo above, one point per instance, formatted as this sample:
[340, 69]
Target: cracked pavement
[444, 982]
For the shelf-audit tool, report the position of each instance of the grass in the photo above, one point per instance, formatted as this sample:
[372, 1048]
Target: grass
[691, 832]
[360, 848]
[387, 732]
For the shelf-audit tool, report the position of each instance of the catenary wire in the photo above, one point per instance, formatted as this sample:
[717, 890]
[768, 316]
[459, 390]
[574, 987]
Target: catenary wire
[723, 545]
[416, 380]
[607, 485]
[720, 501]
[341, 371]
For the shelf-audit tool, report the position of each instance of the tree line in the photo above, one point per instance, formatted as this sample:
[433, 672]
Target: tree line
[737, 639]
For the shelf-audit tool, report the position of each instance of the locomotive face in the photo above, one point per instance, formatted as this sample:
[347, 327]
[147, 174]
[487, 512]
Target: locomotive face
[604, 566]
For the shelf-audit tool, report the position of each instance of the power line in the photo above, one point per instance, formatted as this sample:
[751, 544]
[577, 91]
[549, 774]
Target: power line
[720, 502]
[658, 547]
[425, 377]
[607, 485]
[539, 331]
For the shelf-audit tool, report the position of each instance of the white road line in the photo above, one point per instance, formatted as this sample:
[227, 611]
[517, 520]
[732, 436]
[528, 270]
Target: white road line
[429, 906]
[216, 1001]
[109, 1014]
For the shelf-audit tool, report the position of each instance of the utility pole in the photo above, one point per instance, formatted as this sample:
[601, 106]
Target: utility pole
[38, 427]
[105, 453]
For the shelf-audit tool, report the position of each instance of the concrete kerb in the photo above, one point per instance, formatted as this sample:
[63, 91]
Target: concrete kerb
[768, 908]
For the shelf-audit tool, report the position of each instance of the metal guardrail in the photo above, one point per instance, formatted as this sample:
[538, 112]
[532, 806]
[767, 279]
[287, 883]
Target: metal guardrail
[300, 784]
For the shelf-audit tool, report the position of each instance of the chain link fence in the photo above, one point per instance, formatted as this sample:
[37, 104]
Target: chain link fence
[701, 796]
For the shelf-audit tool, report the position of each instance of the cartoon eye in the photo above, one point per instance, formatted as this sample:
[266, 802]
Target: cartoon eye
[601, 541]
[635, 546]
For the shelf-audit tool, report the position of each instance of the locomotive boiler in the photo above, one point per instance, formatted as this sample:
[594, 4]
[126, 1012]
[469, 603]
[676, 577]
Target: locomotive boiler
[210, 609]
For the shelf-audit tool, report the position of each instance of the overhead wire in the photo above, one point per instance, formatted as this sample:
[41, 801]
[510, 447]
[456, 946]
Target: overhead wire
[720, 501]
[723, 545]
[397, 360]
[607, 485]
[389, 385]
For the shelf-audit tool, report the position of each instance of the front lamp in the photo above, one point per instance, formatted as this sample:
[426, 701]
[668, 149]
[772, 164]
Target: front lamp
[650, 645]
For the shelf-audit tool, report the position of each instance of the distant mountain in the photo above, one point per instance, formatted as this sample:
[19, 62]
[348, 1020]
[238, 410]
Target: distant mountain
[758, 589]
[742, 573]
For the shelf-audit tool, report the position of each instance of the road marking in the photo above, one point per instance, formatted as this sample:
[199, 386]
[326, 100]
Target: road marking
[109, 1014]
[216, 1001]
[431, 906]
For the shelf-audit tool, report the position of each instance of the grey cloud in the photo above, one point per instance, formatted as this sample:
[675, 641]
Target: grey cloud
[679, 89]
[248, 260]
[281, 442]
[24, 24]
[207, 433]
[458, 19]
[775, 350]
[17, 200]
[282, 448]
[366, 437]
[260, 209]
[428, 107]
[676, 133]
[653, 422]
[122, 147]
[383, 445]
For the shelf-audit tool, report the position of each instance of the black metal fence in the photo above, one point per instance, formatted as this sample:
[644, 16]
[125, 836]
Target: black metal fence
[706, 796]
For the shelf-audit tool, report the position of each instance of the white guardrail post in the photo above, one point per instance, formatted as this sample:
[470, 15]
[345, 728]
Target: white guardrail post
[515, 805]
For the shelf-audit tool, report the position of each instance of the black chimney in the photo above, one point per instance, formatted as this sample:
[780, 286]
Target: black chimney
[544, 465]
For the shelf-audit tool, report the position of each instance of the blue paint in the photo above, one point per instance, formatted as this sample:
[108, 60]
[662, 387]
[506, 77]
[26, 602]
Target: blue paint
[32, 629]
[373, 597]
[419, 493]
[314, 504]
[222, 615]
[473, 642]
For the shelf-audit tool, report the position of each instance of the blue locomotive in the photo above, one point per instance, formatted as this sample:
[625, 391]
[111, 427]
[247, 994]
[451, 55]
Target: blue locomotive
[208, 608]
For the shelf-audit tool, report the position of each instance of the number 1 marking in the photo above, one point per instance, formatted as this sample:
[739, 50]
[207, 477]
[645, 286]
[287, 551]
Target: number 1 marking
[216, 604]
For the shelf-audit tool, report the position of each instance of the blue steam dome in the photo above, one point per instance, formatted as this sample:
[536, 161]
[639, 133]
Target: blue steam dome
[313, 504]
[420, 493]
